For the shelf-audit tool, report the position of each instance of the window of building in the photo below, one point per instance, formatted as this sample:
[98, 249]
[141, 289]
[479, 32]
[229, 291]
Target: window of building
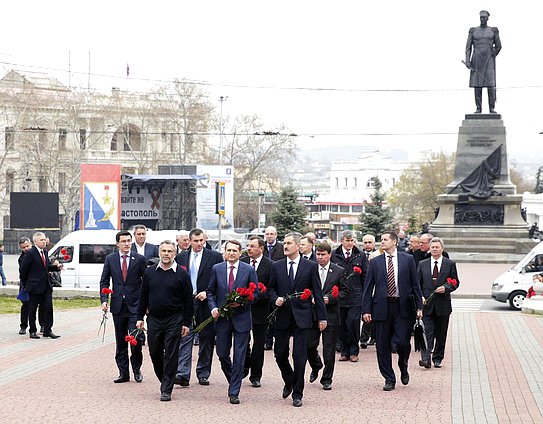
[42, 138]
[333, 208]
[62, 138]
[356, 208]
[346, 181]
[337, 182]
[42, 184]
[344, 208]
[113, 145]
[9, 137]
[82, 139]
[61, 183]
[355, 182]
[6, 221]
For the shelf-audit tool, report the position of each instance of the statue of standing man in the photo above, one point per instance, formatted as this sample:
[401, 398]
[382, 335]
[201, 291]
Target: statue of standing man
[481, 50]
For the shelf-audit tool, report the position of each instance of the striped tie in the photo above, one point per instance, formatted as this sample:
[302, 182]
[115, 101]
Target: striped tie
[391, 286]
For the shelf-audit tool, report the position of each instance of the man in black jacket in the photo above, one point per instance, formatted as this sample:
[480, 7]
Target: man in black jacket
[25, 245]
[330, 276]
[259, 309]
[436, 275]
[355, 265]
[166, 298]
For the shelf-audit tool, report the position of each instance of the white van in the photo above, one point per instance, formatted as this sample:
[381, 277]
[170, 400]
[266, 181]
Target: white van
[513, 285]
[83, 254]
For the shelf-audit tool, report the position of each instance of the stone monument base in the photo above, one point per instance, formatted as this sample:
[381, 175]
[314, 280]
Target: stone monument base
[490, 230]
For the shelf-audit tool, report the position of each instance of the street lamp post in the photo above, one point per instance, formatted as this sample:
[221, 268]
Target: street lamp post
[222, 99]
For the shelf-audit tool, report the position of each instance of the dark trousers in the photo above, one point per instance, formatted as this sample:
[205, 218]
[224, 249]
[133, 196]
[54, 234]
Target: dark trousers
[45, 303]
[24, 315]
[396, 328]
[233, 370]
[255, 353]
[125, 323]
[164, 335]
[436, 327]
[350, 334]
[367, 333]
[292, 377]
[329, 340]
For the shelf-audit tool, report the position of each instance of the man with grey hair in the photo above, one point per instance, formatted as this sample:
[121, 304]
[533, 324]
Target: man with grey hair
[438, 278]
[424, 251]
[166, 299]
[35, 279]
[183, 241]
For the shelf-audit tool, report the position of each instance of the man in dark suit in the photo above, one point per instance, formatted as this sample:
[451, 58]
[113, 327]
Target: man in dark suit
[433, 274]
[306, 249]
[294, 317]
[147, 250]
[225, 277]
[260, 309]
[389, 292]
[198, 263]
[273, 249]
[25, 245]
[35, 279]
[330, 275]
[166, 299]
[183, 241]
[348, 256]
[124, 271]
[367, 335]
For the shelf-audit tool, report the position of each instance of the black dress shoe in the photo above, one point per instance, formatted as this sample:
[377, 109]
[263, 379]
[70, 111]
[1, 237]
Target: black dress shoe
[405, 379]
[41, 330]
[297, 402]
[234, 400]
[203, 381]
[22, 331]
[363, 345]
[182, 381]
[34, 336]
[256, 383]
[425, 364]
[122, 378]
[437, 364]
[165, 397]
[138, 376]
[287, 391]
[51, 335]
[327, 386]
[313, 376]
[389, 386]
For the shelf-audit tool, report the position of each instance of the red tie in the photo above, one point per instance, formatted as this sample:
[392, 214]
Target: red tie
[43, 259]
[391, 285]
[231, 278]
[125, 268]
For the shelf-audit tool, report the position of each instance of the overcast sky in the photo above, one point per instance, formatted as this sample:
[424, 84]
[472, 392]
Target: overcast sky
[318, 61]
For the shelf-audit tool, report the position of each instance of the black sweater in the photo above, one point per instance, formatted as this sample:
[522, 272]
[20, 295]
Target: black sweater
[165, 293]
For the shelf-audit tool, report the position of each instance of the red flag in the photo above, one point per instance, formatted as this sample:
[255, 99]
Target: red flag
[127, 70]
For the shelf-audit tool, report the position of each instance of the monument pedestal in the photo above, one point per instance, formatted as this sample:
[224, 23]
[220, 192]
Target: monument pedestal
[474, 228]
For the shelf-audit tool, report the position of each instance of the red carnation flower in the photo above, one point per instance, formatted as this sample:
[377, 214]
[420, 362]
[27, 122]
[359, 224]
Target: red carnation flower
[306, 294]
[241, 291]
[63, 251]
[357, 269]
[184, 267]
[335, 291]
[66, 257]
[252, 286]
[107, 290]
[262, 288]
[452, 282]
